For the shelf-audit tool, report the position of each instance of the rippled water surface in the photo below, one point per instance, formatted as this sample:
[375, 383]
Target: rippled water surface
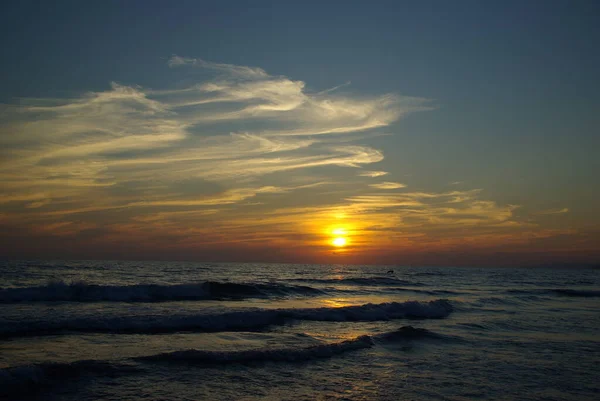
[172, 330]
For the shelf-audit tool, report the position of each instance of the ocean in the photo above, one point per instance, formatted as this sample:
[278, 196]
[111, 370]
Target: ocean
[108, 330]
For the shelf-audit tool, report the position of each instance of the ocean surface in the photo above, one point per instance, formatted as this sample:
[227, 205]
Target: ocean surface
[108, 330]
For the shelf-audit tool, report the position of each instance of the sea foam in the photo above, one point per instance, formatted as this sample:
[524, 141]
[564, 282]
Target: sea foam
[213, 290]
[32, 376]
[273, 355]
[245, 320]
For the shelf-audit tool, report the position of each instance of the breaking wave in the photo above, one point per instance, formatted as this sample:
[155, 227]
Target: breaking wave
[209, 290]
[407, 333]
[20, 379]
[291, 354]
[272, 355]
[255, 319]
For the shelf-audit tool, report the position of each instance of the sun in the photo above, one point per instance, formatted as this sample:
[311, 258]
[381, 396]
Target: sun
[339, 241]
[339, 235]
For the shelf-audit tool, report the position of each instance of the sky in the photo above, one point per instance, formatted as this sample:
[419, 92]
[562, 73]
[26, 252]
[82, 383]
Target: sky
[387, 132]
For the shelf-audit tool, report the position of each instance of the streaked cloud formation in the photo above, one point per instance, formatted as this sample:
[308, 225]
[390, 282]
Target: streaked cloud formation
[387, 185]
[555, 211]
[372, 173]
[241, 162]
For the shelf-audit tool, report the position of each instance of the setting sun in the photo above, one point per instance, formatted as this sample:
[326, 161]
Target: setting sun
[339, 241]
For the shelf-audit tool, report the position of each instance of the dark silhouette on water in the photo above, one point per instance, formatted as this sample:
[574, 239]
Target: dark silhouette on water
[390, 271]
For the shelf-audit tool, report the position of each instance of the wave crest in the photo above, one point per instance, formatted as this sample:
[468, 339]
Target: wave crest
[274, 355]
[209, 290]
[15, 381]
[290, 354]
[248, 320]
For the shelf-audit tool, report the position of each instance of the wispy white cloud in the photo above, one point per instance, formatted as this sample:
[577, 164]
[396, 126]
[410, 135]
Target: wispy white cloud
[455, 208]
[127, 134]
[373, 173]
[228, 69]
[227, 198]
[387, 185]
[554, 211]
[334, 88]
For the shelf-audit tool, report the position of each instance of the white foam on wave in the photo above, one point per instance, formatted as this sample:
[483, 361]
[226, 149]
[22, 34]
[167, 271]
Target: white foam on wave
[291, 354]
[30, 378]
[233, 321]
[274, 355]
[84, 292]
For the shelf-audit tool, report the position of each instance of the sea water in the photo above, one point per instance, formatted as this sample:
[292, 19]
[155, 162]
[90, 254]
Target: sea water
[109, 330]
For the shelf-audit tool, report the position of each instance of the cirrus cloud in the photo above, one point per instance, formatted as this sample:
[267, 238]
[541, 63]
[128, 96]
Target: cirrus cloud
[239, 157]
[387, 185]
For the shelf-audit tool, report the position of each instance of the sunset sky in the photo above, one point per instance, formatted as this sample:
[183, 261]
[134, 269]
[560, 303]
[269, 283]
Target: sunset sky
[383, 132]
